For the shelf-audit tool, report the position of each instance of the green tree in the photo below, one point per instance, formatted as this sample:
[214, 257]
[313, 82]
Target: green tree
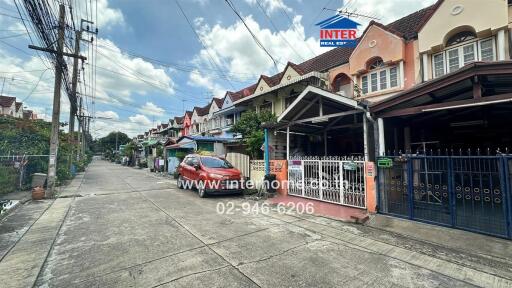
[108, 143]
[249, 126]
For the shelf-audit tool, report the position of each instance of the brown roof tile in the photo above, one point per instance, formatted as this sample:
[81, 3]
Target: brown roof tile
[410, 25]
[18, 106]
[6, 101]
[218, 102]
[179, 119]
[201, 111]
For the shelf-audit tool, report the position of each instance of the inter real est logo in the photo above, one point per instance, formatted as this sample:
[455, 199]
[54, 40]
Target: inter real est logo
[338, 31]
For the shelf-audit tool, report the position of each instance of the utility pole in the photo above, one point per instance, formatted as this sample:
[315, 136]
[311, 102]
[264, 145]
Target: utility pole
[54, 138]
[74, 81]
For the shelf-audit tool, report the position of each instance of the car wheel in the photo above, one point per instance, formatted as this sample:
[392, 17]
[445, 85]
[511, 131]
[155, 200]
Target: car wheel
[179, 183]
[201, 191]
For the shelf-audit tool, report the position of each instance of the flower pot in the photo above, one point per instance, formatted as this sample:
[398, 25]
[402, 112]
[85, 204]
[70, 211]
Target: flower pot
[37, 193]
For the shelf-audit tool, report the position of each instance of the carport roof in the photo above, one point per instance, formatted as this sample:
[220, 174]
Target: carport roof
[305, 116]
[475, 83]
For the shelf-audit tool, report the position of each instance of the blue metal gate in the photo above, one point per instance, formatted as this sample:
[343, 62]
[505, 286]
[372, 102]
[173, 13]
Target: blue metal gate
[467, 192]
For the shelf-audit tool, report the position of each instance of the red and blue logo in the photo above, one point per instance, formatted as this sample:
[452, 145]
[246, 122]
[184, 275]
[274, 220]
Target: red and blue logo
[338, 31]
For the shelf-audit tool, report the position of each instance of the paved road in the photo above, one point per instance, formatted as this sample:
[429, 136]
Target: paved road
[122, 227]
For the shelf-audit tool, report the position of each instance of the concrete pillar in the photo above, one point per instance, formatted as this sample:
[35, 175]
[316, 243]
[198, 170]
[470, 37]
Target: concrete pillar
[501, 45]
[365, 137]
[425, 67]
[288, 143]
[402, 74]
[382, 146]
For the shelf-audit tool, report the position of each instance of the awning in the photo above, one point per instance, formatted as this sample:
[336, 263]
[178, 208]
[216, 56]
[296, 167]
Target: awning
[476, 84]
[317, 110]
[187, 145]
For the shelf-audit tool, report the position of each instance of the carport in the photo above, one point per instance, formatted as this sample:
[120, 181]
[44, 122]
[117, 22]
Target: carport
[327, 144]
[320, 116]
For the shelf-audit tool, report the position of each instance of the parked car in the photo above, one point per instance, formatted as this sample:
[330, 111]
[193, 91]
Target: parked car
[209, 175]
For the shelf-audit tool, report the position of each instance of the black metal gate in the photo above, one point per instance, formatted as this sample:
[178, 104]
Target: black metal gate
[467, 192]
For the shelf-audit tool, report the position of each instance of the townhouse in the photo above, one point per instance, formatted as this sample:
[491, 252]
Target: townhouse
[427, 98]
[9, 106]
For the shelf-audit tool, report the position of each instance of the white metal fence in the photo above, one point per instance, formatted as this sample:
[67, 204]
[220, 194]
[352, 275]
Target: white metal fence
[339, 180]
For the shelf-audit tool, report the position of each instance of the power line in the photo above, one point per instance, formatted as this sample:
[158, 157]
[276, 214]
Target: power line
[212, 59]
[258, 42]
[277, 30]
[294, 27]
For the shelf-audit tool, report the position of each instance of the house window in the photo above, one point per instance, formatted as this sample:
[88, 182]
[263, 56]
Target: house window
[374, 82]
[453, 60]
[439, 65]
[382, 79]
[467, 50]
[364, 85]
[266, 106]
[487, 50]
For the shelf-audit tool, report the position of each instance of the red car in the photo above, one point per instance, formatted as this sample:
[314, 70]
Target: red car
[209, 175]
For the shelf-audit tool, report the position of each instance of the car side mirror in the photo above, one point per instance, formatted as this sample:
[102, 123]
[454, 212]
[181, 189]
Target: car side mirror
[197, 167]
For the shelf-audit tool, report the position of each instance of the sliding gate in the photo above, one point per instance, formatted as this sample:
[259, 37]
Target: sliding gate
[339, 180]
[467, 192]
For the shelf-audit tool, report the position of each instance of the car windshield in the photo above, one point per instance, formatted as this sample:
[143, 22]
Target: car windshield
[212, 162]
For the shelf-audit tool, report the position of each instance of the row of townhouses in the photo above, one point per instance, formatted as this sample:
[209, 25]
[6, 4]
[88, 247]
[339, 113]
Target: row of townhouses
[420, 109]
[10, 107]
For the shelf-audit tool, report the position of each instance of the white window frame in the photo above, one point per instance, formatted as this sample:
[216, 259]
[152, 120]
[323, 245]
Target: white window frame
[388, 79]
[460, 47]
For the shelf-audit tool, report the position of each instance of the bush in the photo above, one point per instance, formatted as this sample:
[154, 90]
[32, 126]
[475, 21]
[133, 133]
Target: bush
[8, 176]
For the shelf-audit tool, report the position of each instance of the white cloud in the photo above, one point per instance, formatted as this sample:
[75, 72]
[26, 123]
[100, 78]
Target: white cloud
[107, 114]
[107, 16]
[197, 79]
[140, 119]
[234, 47]
[270, 5]
[119, 76]
[151, 109]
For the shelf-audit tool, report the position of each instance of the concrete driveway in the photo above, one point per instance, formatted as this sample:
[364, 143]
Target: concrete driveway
[121, 227]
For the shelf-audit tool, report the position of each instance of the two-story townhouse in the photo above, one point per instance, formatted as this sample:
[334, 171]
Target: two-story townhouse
[463, 58]
[7, 105]
[450, 132]
[213, 120]
[230, 113]
[187, 123]
[307, 110]
[199, 119]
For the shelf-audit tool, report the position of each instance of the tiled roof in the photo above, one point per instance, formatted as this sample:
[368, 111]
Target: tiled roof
[6, 101]
[18, 106]
[201, 111]
[178, 119]
[188, 113]
[410, 25]
[218, 101]
[325, 61]
[165, 125]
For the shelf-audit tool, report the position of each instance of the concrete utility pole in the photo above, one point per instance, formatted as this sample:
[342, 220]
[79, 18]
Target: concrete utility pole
[54, 138]
[74, 81]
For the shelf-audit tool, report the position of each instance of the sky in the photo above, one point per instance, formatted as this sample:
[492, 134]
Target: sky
[157, 58]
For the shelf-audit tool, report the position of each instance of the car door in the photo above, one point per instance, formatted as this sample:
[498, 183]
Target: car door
[194, 174]
[186, 168]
